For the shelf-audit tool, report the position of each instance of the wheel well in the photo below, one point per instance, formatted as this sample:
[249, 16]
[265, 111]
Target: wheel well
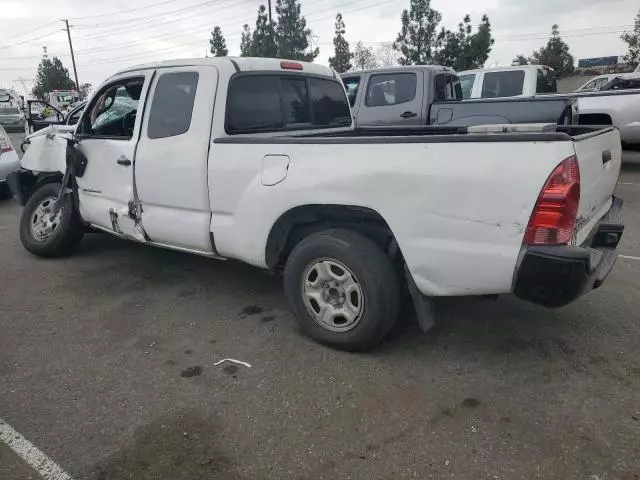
[302, 221]
[595, 119]
[30, 181]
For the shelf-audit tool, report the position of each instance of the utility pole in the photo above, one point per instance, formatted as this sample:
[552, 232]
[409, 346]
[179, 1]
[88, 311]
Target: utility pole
[269, 13]
[73, 58]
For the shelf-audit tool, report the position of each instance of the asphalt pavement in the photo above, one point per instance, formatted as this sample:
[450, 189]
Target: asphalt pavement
[107, 365]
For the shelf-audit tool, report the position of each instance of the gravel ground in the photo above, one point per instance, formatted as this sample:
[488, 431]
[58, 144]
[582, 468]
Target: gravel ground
[107, 365]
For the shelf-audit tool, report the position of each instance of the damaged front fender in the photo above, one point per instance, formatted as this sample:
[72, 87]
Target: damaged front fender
[47, 149]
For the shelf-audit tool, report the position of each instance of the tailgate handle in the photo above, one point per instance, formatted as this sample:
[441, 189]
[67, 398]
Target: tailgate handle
[606, 157]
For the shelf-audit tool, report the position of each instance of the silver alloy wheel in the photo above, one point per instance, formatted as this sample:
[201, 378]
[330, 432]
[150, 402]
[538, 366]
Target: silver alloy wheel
[42, 224]
[332, 295]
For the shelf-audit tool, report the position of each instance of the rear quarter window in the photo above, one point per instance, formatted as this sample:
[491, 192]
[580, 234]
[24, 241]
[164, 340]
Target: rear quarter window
[172, 104]
[466, 83]
[270, 103]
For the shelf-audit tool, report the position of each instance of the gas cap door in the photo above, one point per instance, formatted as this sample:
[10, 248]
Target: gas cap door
[274, 169]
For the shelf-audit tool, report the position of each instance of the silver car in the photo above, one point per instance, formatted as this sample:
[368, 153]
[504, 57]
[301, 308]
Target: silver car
[11, 118]
[9, 161]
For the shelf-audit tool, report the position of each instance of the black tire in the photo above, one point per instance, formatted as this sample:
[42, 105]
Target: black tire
[5, 192]
[66, 235]
[375, 275]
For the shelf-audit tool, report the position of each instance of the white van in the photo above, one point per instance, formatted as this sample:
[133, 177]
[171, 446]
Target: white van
[520, 81]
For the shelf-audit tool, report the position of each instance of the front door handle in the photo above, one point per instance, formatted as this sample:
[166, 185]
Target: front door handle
[124, 161]
[409, 115]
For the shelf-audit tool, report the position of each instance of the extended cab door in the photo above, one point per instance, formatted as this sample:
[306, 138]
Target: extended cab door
[107, 135]
[171, 159]
[394, 98]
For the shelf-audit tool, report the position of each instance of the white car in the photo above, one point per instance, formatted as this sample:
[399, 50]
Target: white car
[257, 160]
[518, 81]
[9, 161]
[597, 82]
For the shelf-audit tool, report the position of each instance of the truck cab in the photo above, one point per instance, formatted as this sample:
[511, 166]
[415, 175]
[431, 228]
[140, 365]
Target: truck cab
[518, 81]
[423, 95]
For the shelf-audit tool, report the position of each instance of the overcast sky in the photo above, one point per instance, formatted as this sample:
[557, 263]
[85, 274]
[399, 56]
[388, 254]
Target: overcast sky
[106, 40]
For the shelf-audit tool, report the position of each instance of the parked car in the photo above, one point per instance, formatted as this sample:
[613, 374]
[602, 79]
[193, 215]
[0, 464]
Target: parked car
[431, 95]
[619, 107]
[11, 117]
[519, 81]
[9, 161]
[612, 81]
[597, 82]
[257, 160]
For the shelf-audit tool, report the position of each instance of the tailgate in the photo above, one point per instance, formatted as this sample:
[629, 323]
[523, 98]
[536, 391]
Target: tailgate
[599, 156]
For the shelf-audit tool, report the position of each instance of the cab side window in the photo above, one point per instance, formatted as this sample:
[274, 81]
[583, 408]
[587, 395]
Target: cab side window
[172, 104]
[351, 85]
[391, 89]
[113, 111]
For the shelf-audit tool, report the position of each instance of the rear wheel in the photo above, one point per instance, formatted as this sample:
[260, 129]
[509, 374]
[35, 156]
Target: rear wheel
[342, 289]
[4, 191]
[45, 234]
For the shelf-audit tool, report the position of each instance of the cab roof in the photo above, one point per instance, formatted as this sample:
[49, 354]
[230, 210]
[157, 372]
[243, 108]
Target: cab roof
[243, 64]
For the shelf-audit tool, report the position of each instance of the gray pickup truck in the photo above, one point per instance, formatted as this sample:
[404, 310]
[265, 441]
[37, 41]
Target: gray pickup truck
[432, 95]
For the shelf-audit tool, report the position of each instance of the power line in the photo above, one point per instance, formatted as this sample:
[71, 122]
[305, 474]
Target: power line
[30, 40]
[29, 32]
[125, 11]
[150, 17]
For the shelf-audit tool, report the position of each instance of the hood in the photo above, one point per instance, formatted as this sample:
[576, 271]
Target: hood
[51, 130]
[47, 149]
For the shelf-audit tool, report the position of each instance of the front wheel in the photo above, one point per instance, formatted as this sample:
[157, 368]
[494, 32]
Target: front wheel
[343, 289]
[47, 235]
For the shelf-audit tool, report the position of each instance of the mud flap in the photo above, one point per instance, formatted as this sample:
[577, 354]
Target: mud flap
[423, 305]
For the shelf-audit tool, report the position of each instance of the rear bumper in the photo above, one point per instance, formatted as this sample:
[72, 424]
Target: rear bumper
[554, 276]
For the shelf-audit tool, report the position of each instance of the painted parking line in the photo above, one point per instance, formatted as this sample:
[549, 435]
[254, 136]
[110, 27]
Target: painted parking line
[629, 257]
[629, 183]
[37, 460]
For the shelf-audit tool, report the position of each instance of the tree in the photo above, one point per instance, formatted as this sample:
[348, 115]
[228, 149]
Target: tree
[263, 40]
[341, 62]
[555, 55]
[387, 56]
[85, 90]
[520, 60]
[417, 40]
[51, 76]
[463, 50]
[217, 43]
[363, 57]
[632, 39]
[292, 32]
[246, 48]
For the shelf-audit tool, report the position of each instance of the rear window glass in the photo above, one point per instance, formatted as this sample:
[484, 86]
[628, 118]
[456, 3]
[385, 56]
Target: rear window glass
[503, 84]
[328, 104]
[351, 85]
[546, 82]
[296, 102]
[262, 103]
[9, 111]
[391, 89]
[466, 82]
[172, 105]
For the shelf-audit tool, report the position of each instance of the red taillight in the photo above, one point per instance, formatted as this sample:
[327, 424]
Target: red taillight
[5, 144]
[554, 216]
[290, 66]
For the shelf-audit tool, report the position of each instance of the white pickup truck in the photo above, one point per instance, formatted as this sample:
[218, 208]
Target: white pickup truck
[257, 160]
[620, 108]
